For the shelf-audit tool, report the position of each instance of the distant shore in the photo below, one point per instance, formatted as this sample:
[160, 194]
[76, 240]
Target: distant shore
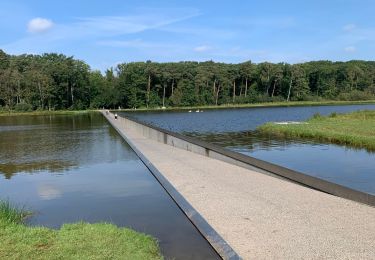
[44, 112]
[223, 106]
[250, 105]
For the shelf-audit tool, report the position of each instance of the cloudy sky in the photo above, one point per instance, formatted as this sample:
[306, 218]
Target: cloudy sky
[105, 33]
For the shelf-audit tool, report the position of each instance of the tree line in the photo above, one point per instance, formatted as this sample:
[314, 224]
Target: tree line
[55, 81]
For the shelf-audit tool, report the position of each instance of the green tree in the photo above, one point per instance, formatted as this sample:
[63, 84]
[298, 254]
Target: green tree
[298, 86]
[247, 71]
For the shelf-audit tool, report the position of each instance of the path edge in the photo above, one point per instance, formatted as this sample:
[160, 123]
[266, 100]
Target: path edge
[223, 249]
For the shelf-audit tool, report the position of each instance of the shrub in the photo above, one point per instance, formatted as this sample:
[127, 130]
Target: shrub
[355, 95]
[23, 107]
[277, 99]
[312, 98]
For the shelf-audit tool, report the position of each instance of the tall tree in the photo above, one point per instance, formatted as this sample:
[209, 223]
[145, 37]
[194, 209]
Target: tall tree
[247, 71]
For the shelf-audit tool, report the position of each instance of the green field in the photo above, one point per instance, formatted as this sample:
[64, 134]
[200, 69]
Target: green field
[71, 241]
[355, 129]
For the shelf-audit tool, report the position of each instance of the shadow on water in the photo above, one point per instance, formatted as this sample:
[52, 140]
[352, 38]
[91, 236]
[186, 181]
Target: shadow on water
[72, 168]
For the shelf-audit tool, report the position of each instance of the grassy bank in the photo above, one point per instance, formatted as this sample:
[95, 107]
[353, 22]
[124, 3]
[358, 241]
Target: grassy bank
[353, 129]
[72, 241]
[44, 112]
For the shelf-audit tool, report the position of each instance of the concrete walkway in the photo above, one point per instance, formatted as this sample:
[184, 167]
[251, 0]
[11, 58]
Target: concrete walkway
[263, 217]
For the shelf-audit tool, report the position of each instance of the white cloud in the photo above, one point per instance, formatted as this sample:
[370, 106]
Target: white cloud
[202, 48]
[208, 32]
[350, 49]
[135, 43]
[38, 25]
[48, 192]
[349, 27]
[118, 25]
[100, 29]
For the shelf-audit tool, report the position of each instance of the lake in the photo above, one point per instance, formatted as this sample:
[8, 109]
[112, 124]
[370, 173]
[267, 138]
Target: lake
[67, 168]
[234, 129]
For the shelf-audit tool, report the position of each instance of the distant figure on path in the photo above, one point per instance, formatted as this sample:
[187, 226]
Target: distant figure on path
[115, 115]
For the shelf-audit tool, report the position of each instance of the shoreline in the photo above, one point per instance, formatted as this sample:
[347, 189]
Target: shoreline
[254, 105]
[224, 106]
[352, 130]
[46, 112]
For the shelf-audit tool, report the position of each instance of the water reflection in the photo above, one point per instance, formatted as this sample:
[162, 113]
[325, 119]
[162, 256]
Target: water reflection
[11, 168]
[350, 167]
[234, 129]
[254, 141]
[56, 143]
[83, 170]
[234, 120]
[48, 192]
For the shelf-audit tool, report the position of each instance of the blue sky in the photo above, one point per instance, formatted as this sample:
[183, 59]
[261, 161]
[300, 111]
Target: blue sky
[105, 33]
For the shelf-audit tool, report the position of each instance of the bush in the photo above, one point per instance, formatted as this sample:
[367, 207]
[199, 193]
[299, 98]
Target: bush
[23, 107]
[79, 105]
[355, 95]
[277, 99]
[312, 98]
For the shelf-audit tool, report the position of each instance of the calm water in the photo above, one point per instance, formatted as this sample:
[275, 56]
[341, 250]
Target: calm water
[71, 168]
[233, 129]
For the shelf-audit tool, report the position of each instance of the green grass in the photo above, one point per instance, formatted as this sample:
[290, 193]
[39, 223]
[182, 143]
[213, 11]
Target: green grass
[71, 241]
[355, 129]
[11, 214]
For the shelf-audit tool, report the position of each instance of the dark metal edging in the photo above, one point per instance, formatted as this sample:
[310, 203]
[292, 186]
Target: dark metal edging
[222, 248]
[295, 176]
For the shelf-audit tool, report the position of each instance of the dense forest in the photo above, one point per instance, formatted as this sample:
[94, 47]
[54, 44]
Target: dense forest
[55, 81]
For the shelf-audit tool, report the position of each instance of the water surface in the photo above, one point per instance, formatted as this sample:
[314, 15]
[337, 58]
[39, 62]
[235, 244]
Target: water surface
[72, 168]
[234, 129]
